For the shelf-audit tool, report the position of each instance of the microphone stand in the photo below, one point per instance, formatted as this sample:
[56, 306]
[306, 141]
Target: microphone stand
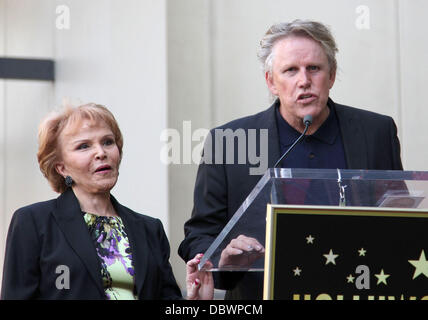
[307, 120]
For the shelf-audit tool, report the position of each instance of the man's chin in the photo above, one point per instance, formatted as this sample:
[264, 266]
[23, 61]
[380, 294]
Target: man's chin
[315, 110]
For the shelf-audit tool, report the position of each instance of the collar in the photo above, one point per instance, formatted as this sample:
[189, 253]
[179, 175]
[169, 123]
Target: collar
[326, 133]
[69, 217]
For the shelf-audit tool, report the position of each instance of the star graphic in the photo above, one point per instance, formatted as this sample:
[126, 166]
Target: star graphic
[362, 252]
[350, 278]
[421, 265]
[331, 257]
[297, 271]
[310, 239]
[381, 277]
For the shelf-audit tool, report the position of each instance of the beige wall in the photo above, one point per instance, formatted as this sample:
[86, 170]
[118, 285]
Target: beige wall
[23, 33]
[413, 81]
[3, 226]
[189, 99]
[114, 54]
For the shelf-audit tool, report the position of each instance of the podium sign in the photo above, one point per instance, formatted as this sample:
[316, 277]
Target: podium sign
[346, 253]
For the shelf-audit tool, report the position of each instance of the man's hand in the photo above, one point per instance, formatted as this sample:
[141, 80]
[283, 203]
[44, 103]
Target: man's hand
[241, 252]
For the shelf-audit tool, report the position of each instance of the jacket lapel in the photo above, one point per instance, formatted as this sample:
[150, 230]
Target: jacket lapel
[70, 220]
[137, 238]
[353, 137]
[268, 120]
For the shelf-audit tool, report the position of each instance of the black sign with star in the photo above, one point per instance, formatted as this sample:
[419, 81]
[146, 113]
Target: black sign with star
[344, 253]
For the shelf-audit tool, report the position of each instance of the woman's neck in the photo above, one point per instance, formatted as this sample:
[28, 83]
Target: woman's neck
[98, 203]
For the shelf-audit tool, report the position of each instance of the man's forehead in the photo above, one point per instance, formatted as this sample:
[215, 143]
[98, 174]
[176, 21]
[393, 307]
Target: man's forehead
[296, 46]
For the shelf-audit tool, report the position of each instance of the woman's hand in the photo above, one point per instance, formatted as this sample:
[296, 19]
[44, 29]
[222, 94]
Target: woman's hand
[200, 284]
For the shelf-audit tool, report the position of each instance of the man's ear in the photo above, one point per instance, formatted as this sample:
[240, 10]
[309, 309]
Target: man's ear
[270, 83]
[332, 78]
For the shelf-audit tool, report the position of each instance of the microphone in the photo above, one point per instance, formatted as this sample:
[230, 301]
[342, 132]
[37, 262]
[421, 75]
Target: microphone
[307, 121]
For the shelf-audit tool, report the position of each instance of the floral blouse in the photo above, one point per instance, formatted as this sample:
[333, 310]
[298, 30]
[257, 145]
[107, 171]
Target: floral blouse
[114, 252]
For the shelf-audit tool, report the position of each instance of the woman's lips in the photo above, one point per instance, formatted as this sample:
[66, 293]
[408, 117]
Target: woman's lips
[103, 169]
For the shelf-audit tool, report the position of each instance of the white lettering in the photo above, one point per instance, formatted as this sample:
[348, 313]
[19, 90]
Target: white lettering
[175, 309]
[62, 282]
[62, 21]
[363, 20]
[230, 147]
[248, 309]
[363, 280]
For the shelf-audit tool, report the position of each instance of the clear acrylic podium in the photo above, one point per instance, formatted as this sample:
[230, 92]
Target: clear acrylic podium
[316, 187]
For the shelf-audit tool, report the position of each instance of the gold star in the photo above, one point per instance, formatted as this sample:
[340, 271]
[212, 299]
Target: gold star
[350, 278]
[421, 265]
[331, 257]
[297, 271]
[310, 239]
[381, 277]
[362, 252]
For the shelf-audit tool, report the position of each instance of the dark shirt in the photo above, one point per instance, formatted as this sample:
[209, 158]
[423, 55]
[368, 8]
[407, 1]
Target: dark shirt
[322, 150]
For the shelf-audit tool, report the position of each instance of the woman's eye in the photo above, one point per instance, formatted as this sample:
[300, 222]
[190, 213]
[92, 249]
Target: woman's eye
[82, 146]
[109, 142]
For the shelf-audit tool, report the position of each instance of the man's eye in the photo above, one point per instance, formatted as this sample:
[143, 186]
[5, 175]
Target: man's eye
[292, 69]
[313, 68]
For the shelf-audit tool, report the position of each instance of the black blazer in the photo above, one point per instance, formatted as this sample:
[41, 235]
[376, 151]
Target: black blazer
[370, 142]
[45, 235]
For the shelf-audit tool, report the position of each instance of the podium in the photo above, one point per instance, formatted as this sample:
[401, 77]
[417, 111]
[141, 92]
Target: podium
[333, 234]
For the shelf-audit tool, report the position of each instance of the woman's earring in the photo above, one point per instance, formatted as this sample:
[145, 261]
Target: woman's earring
[68, 181]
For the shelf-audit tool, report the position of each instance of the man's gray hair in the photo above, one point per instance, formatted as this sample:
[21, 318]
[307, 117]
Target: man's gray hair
[302, 28]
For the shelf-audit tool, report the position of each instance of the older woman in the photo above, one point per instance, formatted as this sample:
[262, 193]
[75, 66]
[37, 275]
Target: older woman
[85, 244]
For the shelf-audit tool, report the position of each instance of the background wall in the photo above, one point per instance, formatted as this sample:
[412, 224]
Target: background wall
[158, 64]
[23, 33]
[114, 54]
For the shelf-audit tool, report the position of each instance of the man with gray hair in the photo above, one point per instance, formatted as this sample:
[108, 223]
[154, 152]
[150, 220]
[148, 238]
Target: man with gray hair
[300, 69]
